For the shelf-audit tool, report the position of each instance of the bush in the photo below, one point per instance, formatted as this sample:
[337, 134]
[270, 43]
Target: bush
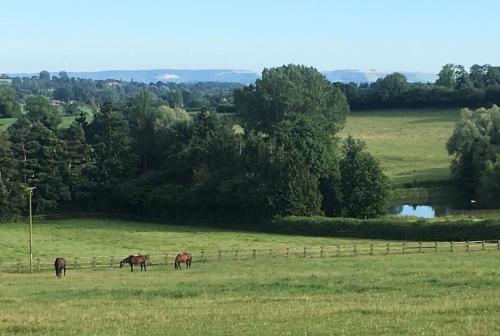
[390, 228]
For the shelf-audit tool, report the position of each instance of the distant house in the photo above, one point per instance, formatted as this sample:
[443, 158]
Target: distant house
[5, 80]
[56, 102]
[112, 82]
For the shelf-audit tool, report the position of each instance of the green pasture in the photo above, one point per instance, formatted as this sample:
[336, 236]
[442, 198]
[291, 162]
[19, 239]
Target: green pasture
[109, 237]
[413, 294]
[5, 123]
[409, 143]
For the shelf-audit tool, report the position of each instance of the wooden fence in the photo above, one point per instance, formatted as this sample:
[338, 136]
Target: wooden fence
[165, 259]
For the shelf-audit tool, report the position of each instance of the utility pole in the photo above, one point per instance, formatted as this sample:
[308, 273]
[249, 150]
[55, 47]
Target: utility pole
[30, 193]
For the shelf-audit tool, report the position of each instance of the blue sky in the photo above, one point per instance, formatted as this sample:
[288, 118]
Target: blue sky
[385, 35]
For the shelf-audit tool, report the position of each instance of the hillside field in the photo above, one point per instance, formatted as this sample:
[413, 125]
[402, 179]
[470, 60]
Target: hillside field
[409, 143]
[6, 122]
[419, 294]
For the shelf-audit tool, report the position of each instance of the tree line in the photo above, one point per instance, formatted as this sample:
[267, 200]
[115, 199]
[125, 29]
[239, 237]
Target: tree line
[280, 156]
[73, 92]
[454, 87]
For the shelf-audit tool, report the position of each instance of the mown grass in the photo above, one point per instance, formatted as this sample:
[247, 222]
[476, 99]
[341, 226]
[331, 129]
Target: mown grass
[410, 143]
[428, 294]
[419, 294]
[109, 237]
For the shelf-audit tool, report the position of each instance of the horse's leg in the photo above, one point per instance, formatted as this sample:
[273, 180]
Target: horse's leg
[131, 267]
[64, 269]
[144, 266]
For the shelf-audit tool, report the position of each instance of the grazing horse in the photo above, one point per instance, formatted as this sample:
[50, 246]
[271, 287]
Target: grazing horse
[183, 257]
[135, 260]
[60, 265]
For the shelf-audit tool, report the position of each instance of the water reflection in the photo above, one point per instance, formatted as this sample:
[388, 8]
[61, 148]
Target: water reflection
[423, 211]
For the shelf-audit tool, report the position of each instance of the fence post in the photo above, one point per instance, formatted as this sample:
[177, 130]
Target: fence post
[219, 255]
[321, 252]
[305, 252]
[338, 251]
[93, 262]
[451, 246]
[166, 259]
[498, 244]
[482, 245]
[19, 266]
[404, 246]
[435, 246]
[287, 251]
[202, 256]
[467, 246]
[111, 261]
[38, 264]
[236, 254]
[419, 247]
[355, 250]
[254, 253]
[270, 253]
[371, 249]
[387, 247]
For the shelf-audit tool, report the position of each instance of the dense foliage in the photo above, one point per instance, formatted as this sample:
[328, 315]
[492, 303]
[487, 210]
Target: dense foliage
[389, 228]
[475, 145]
[454, 87]
[9, 106]
[94, 93]
[147, 157]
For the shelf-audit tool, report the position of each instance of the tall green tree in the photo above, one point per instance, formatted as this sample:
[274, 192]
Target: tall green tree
[446, 77]
[289, 91]
[474, 145]
[391, 87]
[142, 121]
[12, 200]
[38, 151]
[76, 163]
[365, 188]
[112, 152]
[9, 107]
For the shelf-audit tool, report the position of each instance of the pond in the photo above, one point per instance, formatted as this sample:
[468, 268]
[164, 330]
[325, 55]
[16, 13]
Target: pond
[423, 211]
[429, 210]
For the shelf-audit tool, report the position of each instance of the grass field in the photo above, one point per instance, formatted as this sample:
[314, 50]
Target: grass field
[424, 294]
[410, 144]
[108, 237]
[6, 122]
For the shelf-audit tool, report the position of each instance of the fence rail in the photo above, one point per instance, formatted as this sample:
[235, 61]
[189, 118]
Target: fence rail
[332, 251]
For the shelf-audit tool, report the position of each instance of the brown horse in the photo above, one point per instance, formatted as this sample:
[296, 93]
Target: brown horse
[183, 257]
[135, 260]
[60, 265]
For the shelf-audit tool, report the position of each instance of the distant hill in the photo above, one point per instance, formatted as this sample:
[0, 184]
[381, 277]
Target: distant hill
[358, 76]
[229, 75]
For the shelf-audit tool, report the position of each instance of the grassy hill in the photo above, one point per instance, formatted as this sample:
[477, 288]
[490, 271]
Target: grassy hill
[422, 294]
[410, 144]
